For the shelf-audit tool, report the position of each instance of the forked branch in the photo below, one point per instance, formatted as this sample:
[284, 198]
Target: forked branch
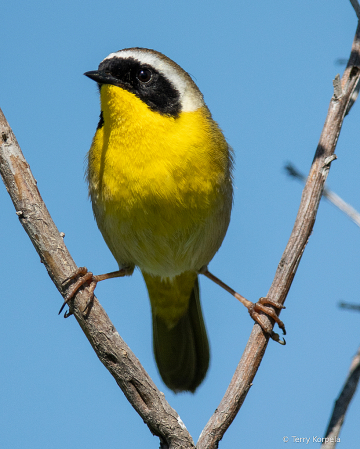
[113, 352]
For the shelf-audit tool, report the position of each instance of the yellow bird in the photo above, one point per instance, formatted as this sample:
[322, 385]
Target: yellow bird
[159, 175]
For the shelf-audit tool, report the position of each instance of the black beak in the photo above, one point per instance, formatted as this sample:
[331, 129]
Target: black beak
[102, 77]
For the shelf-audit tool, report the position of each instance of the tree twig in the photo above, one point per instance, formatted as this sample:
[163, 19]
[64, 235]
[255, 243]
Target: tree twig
[255, 348]
[113, 352]
[328, 194]
[356, 6]
[342, 403]
[347, 305]
[108, 345]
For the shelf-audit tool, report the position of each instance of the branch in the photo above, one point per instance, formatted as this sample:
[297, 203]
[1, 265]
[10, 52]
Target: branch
[327, 193]
[346, 305]
[356, 6]
[342, 403]
[113, 352]
[255, 348]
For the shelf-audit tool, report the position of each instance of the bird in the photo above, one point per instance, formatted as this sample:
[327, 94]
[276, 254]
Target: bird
[159, 173]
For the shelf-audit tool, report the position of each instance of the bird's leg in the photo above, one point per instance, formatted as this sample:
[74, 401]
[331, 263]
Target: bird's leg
[88, 278]
[253, 308]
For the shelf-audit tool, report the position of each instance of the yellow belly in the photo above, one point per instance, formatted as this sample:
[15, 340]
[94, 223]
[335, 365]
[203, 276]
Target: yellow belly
[160, 187]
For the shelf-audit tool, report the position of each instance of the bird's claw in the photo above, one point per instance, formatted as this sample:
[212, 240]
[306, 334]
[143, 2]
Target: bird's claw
[86, 276]
[262, 306]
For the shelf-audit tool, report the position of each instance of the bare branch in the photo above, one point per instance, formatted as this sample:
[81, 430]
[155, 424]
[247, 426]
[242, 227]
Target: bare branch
[347, 305]
[255, 348]
[113, 352]
[342, 403]
[327, 193]
[356, 6]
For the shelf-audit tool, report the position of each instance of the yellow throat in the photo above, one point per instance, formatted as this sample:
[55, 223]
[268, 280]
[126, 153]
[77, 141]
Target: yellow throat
[158, 184]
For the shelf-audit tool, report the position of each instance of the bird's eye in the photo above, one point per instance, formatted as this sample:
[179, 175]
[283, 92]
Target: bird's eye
[144, 75]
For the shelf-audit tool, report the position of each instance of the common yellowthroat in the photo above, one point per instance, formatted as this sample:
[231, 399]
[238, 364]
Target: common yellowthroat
[160, 182]
[159, 174]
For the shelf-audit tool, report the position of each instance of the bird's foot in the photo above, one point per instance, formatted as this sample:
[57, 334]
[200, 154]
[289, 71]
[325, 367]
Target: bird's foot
[86, 277]
[263, 306]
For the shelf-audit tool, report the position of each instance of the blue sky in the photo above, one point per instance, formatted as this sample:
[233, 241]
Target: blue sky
[266, 71]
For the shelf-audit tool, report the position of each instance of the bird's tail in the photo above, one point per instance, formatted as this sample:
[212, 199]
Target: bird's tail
[179, 336]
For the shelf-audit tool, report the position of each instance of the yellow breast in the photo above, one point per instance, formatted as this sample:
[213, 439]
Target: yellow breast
[160, 186]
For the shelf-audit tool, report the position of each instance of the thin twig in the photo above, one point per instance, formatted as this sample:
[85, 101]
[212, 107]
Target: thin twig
[113, 352]
[356, 6]
[255, 348]
[348, 306]
[327, 193]
[342, 403]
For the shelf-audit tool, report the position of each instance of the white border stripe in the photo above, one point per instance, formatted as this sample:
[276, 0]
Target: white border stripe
[190, 96]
